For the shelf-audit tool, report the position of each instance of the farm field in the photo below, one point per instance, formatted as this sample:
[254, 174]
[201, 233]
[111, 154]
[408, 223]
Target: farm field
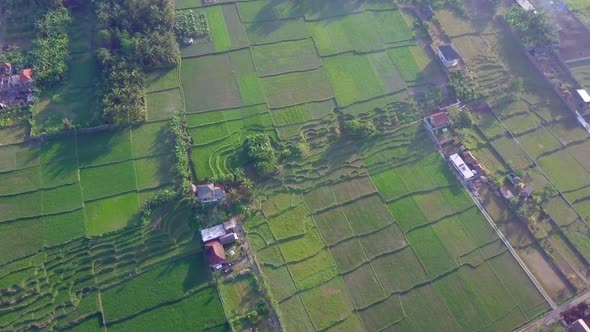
[351, 234]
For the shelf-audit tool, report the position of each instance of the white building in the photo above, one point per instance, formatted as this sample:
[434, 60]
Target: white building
[460, 167]
[448, 55]
[213, 233]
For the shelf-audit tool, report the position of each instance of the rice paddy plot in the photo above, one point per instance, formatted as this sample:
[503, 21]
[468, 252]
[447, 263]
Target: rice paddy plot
[245, 75]
[20, 238]
[475, 296]
[490, 126]
[399, 271]
[355, 79]
[98, 182]
[209, 83]
[352, 189]
[225, 28]
[413, 63]
[431, 251]
[162, 79]
[109, 214]
[348, 255]
[558, 209]
[438, 317]
[581, 152]
[279, 281]
[581, 71]
[328, 303]
[239, 295]
[291, 223]
[264, 32]
[297, 88]
[313, 271]
[104, 148]
[554, 164]
[64, 227]
[285, 57]
[363, 286]
[383, 314]
[269, 10]
[568, 131]
[19, 181]
[161, 105]
[294, 316]
[301, 248]
[301, 114]
[61, 199]
[151, 139]
[319, 198]
[20, 206]
[522, 123]
[153, 172]
[384, 241]
[407, 213]
[333, 225]
[507, 108]
[367, 215]
[180, 314]
[511, 153]
[539, 142]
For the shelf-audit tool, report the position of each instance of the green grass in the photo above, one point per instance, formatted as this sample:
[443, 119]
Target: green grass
[511, 152]
[413, 63]
[407, 213]
[568, 130]
[297, 88]
[273, 59]
[165, 283]
[110, 214]
[538, 142]
[559, 211]
[99, 182]
[328, 303]
[521, 123]
[209, 83]
[399, 271]
[554, 164]
[390, 184]
[181, 314]
[380, 315]
[363, 286]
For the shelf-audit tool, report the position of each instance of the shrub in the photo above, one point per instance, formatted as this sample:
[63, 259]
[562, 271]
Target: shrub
[190, 24]
[356, 128]
[261, 154]
[182, 145]
[161, 198]
[462, 87]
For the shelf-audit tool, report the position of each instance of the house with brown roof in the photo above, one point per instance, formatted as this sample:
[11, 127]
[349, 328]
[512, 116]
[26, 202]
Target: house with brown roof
[215, 254]
[208, 193]
[437, 125]
[26, 75]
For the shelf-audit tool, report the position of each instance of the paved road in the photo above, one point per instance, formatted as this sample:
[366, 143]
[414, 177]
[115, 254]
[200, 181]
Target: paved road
[553, 316]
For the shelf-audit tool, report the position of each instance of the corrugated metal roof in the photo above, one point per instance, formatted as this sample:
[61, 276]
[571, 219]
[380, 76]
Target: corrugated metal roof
[461, 167]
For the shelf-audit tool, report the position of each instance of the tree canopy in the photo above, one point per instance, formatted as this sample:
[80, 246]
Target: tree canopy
[261, 154]
[532, 27]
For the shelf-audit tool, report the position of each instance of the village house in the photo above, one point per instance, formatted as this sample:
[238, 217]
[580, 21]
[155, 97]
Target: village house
[459, 165]
[583, 99]
[437, 125]
[448, 55]
[525, 4]
[15, 88]
[208, 193]
[506, 193]
[215, 238]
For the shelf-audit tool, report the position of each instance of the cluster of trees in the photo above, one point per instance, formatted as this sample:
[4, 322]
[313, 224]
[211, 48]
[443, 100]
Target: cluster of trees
[134, 35]
[50, 50]
[461, 119]
[532, 27]
[463, 87]
[359, 129]
[261, 154]
[182, 145]
[190, 24]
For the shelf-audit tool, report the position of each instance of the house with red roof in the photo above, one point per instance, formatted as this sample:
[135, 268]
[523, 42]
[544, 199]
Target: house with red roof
[215, 253]
[438, 127]
[26, 75]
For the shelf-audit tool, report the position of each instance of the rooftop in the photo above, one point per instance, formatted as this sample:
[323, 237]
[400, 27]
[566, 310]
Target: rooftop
[439, 119]
[215, 253]
[449, 52]
[579, 326]
[213, 233]
[525, 4]
[584, 95]
[461, 167]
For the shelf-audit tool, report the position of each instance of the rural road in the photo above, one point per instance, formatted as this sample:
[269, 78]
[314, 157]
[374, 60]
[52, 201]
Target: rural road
[553, 316]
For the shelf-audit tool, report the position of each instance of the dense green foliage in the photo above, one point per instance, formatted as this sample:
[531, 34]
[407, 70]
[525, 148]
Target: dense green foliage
[182, 145]
[161, 198]
[134, 35]
[462, 87]
[461, 118]
[261, 154]
[356, 128]
[532, 27]
[190, 24]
